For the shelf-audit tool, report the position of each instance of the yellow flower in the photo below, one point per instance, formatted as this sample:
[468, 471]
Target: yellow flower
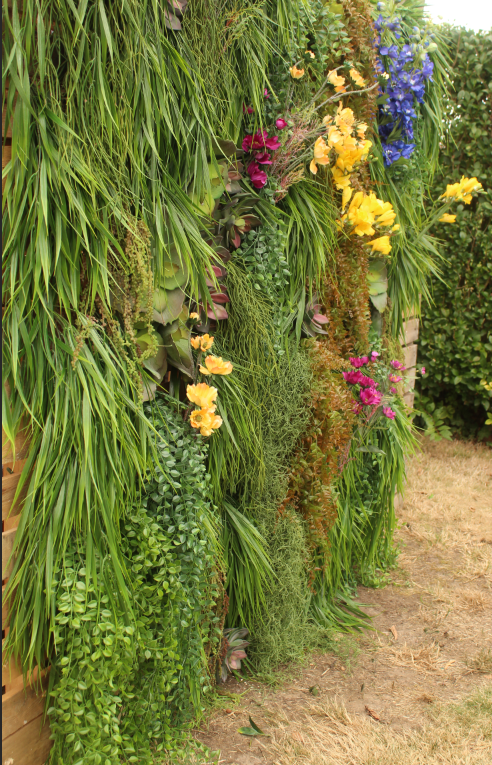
[336, 80]
[341, 179]
[295, 72]
[462, 191]
[204, 342]
[346, 194]
[361, 129]
[205, 420]
[313, 166]
[446, 218]
[194, 315]
[396, 227]
[359, 81]
[382, 244]
[215, 366]
[310, 52]
[202, 395]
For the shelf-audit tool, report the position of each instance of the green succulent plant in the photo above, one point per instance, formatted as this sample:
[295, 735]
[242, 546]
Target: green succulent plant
[234, 645]
[377, 277]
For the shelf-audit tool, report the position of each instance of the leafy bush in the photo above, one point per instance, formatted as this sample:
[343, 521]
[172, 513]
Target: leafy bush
[456, 334]
[120, 685]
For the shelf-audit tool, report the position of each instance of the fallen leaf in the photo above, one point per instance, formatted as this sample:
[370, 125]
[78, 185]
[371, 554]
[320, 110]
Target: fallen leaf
[372, 714]
[253, 731]
[314, 689]
[394, 632]
[362, 687]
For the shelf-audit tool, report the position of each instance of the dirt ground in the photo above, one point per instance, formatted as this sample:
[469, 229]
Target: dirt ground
[418, 689]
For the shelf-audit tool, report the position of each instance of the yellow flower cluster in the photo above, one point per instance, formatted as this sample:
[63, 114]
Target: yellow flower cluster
[203, 395]
[462, 191]
[366, 214]
[204, 418]
[346, 138]
[203, 342]
[446, 218]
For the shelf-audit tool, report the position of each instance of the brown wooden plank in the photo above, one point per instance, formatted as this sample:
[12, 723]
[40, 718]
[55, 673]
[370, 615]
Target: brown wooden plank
[18, 684]
[411, 330]
[20, 706]
[5, 609]
[410, 355]
[11, 670]
[7, 134]
[409, 379]
[12, 467]
[7, 547]
[9, 487]
[30, 745]
[21, 446]
[6, 157]
[408, 398]
[11, 523]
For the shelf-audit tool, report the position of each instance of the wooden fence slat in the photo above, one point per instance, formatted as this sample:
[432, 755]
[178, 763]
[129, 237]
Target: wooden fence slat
[9, 487]
[20, 706]
[5, 609]
[410, 355]
[30, 745]
[411, 332]
[7, 547]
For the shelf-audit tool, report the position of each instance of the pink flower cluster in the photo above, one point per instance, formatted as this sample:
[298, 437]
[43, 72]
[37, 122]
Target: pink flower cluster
[357, 378]
[258, 144]
[360, 361]
[370, 397]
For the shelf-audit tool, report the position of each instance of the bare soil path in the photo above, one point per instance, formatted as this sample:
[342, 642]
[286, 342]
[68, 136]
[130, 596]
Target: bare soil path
[418, 689]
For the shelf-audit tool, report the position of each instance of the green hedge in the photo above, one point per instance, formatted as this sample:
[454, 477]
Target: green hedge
[456, 334]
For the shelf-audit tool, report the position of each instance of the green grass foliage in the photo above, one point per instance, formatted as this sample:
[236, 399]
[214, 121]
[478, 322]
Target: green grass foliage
[455, 343]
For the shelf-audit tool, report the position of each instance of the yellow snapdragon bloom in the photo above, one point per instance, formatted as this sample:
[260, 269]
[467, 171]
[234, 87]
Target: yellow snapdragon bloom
[446, 218]
[382, 245]
[462, 191]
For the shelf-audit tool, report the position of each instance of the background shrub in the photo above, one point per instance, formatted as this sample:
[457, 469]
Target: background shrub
[456, 335]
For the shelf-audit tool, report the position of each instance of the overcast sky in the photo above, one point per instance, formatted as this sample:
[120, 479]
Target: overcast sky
[473, 14]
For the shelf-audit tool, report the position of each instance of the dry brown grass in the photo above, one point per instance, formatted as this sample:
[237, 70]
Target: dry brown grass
[430, 649]
[450, 734]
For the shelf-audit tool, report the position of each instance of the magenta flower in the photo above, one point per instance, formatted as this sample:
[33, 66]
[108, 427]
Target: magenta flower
[259, 140]
[374, 355]
[357, 408]
[367, 382]
[263, 158]
[273, 143]
[258, 176]
[247, 141]
[370, 397]
[422, 371]
[353, 378]
[248, 109]
[388, 412]
[358, 362]
[396, 364]
[266, 93]
[280, 124]
[395, 378]
[393, 390]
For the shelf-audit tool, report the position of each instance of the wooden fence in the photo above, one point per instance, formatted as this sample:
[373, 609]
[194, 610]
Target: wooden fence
[25, 740]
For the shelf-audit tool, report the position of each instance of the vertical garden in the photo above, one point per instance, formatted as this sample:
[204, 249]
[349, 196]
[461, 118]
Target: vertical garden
[214, 222]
